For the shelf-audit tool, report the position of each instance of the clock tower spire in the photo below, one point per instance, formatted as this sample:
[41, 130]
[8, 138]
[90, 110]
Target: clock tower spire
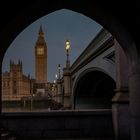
[41, 58]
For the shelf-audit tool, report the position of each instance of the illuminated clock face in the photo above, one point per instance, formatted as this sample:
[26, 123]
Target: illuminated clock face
[40, 51]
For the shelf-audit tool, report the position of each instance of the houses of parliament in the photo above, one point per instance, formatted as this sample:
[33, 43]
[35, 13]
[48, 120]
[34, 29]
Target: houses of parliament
[16, 85]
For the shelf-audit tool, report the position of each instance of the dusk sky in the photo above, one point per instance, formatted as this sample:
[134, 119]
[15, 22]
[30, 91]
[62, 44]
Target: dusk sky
[58, 27]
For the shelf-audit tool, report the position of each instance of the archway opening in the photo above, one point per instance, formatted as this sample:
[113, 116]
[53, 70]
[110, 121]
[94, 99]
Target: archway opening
[11, 30]
[94, 90]
[98, 16]
[26, 80]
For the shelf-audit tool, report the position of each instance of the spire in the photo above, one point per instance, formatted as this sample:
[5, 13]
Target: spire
[41, 33]
[29, 76]
[10, 62]
[19, 62]
[41, 39]
[40, 30]
[59, 71]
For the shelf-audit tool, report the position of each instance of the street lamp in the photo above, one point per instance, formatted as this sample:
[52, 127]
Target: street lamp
[67, 45]
[59, 69]
[67, 53]
[56, 76]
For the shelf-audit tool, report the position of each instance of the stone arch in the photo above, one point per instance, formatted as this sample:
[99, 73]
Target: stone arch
[93, 11]
[87, 90]
[38, 9]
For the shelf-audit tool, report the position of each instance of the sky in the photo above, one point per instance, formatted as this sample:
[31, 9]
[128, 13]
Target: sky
[58, 27]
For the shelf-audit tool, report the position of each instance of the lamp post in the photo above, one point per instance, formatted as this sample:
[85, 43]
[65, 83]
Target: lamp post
[67, 79]
[54, 85]
[59, 73]
[67, 53]
[59, 85]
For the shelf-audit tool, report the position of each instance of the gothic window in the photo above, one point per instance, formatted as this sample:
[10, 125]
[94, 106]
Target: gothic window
[3, 84]
[14, 91]
[8, 83]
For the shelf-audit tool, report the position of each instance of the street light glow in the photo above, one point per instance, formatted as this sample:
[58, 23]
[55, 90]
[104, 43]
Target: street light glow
[67, 45]
[56, 76]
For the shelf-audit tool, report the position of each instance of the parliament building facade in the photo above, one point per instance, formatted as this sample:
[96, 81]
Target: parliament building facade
[16, 85]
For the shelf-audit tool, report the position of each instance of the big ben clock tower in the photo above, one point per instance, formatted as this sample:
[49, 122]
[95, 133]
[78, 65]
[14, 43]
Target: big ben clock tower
[41, 59]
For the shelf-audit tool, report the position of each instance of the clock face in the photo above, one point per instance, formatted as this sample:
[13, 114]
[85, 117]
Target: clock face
[40, 51]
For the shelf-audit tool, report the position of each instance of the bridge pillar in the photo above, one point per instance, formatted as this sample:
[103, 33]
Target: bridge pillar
[67, 88]
[120, 102]
[59, 91]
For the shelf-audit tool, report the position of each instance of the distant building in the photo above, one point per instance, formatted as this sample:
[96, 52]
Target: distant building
[15, 84]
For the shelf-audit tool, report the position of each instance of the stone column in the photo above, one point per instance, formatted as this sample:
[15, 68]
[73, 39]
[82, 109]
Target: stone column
[67, 87]
[59, 91]
[134, 88]
[120, 102]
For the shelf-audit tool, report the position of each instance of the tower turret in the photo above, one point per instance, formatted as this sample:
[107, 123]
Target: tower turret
[41, 58]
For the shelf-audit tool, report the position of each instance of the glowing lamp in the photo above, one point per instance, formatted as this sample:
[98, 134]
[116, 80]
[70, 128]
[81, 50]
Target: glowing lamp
[67, 45]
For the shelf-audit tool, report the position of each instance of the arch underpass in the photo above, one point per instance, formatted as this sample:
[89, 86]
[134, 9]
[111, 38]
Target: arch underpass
[94, 90]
